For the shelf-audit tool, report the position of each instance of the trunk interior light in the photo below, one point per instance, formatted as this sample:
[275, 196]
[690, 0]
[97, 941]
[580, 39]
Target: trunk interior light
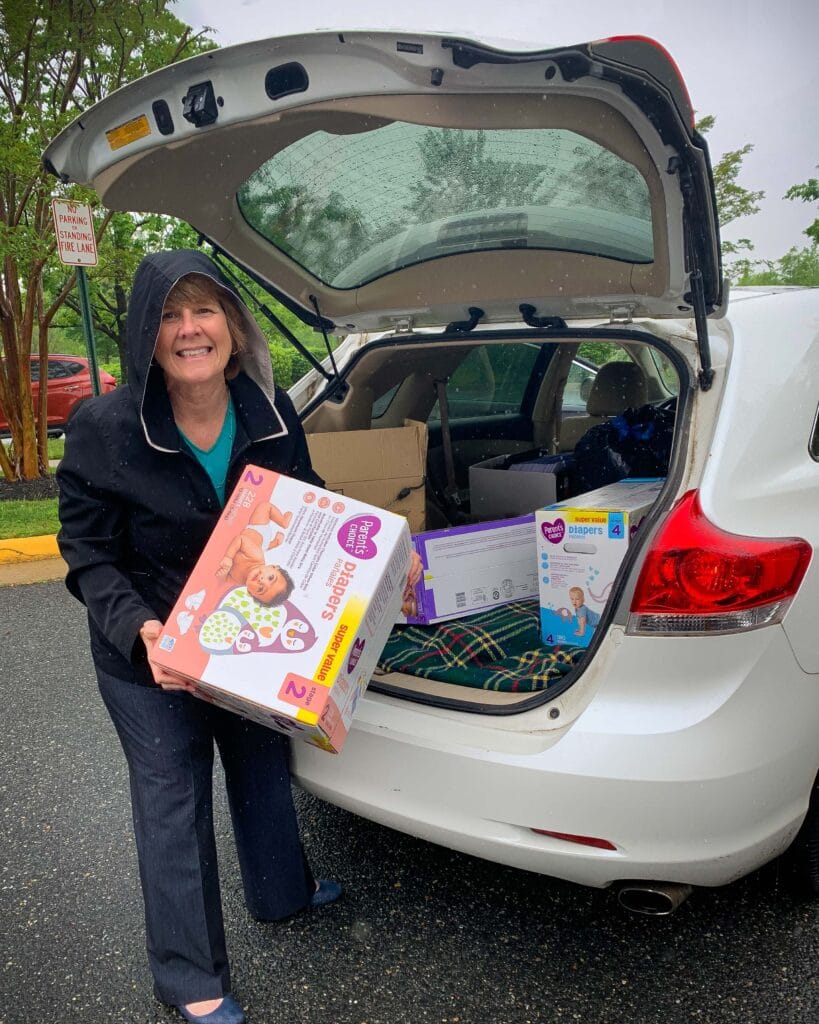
[598, 844]
[698, 578]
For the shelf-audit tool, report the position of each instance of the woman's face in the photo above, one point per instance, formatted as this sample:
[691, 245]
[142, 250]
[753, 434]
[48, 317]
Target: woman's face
[194, 343]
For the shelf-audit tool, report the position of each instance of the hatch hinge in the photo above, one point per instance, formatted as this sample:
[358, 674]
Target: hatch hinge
[338, 389]
[465, 326]
[623, 313]
[403, 325]
[696, 296]
[546, 323]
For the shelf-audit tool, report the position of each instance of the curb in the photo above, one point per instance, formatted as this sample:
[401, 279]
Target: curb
[28, 549]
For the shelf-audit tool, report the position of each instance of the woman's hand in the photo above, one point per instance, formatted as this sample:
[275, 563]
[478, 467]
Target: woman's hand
[415, 570]
[409, 602]
[149, 634]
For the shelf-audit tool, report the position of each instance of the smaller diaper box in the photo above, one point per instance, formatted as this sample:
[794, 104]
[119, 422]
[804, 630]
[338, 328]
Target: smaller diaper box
[289, 606]
[581, 543]
[468, 569]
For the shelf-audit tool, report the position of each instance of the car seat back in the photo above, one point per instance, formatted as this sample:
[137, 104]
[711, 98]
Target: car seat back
[616, 387]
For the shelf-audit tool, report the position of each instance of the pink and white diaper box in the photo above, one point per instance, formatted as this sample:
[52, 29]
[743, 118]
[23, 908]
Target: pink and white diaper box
[468, 569]
[289, 606]
[581, 543]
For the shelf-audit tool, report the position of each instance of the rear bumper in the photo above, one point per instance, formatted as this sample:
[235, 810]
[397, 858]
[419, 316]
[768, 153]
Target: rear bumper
[693, 779]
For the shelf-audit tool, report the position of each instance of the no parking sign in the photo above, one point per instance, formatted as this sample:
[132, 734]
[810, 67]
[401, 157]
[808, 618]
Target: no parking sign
[77, 247]
[74, 226]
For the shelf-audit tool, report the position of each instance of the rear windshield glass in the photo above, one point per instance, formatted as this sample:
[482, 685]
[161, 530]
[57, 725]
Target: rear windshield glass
[351, 208]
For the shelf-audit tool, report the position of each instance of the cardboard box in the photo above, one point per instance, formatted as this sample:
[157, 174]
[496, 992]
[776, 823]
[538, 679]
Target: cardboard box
[467, 569]
[375, 466]
[581, 543]
[295, 656]
[494, 494]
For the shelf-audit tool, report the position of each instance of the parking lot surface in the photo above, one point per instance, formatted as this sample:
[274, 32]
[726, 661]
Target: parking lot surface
[422, 934]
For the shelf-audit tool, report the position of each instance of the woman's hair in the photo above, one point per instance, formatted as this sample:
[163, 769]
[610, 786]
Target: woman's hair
[193, 288]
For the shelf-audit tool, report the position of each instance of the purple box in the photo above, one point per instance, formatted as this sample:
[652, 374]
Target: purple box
[471, 568]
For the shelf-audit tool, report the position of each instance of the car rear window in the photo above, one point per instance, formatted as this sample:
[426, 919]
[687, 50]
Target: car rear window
[351, 208]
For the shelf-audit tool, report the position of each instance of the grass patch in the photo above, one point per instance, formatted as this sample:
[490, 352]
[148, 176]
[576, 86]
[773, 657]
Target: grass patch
[28, 518]
[56, 448]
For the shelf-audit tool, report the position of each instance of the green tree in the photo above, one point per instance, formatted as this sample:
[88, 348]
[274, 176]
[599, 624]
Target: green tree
[808, 192]
[56, 58]
[733, 200]
[462, 174]
[797, 266]
[318, 230]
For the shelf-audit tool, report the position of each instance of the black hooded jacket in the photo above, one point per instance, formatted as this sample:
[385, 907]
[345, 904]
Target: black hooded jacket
[136, 508]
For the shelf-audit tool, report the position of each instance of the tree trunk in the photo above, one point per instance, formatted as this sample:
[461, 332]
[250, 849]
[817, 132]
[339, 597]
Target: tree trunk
[42, 405]
[122, 338]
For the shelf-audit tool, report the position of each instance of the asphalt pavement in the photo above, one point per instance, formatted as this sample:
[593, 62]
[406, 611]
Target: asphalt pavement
[422, 934]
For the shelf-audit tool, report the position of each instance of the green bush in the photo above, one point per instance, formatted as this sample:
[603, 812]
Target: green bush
[300, 366]
[113, 369]
[600, 352]
[281, 358]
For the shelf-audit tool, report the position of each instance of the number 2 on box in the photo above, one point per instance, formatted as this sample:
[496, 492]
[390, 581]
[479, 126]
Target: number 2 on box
[298, 691]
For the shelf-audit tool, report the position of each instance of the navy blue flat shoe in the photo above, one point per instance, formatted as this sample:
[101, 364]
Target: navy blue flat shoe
[327, 892]
[228, 1012]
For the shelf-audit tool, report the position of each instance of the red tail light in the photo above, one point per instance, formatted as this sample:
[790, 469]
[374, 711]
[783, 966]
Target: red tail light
[599, 844]
[699, 579]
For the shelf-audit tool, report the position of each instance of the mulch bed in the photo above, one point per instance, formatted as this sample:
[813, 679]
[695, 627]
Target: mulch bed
[28, 490]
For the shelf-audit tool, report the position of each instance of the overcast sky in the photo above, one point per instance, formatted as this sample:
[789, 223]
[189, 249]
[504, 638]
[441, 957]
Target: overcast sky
[750, 63]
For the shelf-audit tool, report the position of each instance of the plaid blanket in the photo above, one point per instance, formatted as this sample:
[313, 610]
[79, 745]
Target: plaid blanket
[498, 649]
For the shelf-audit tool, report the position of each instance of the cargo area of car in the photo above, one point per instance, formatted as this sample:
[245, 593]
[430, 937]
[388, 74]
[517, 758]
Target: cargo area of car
[540, 418]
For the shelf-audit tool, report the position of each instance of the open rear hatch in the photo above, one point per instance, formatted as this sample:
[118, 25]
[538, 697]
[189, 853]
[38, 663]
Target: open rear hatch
[373, 179]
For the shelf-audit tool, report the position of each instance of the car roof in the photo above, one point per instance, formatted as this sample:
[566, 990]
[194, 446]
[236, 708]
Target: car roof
[377, 178]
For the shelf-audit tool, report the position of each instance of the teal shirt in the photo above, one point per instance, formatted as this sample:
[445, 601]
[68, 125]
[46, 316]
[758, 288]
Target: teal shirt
[215, 460]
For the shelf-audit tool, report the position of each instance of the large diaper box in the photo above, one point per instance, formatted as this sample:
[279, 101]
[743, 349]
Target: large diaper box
[289, 606]
[581, 543]
[468, 569]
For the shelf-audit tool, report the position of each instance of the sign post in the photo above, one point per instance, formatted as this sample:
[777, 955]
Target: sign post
[77, 247]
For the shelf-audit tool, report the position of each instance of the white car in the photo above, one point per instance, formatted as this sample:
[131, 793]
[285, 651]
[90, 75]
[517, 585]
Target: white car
[494, 227]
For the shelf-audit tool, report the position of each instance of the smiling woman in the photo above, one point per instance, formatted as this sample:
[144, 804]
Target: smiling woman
[142, 484]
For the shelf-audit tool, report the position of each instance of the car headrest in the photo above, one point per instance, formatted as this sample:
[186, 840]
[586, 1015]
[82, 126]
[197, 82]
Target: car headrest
[617, 387]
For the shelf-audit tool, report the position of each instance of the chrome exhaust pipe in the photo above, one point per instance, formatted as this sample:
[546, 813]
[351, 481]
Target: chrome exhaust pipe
[657, 899]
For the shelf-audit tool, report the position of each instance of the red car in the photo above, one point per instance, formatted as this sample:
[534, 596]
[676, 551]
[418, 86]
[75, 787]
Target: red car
[69, 382]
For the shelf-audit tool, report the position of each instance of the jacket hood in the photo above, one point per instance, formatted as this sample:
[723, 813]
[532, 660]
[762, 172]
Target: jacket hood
[155, 277]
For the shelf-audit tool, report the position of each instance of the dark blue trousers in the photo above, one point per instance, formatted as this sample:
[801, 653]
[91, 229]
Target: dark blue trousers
[168, 738]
